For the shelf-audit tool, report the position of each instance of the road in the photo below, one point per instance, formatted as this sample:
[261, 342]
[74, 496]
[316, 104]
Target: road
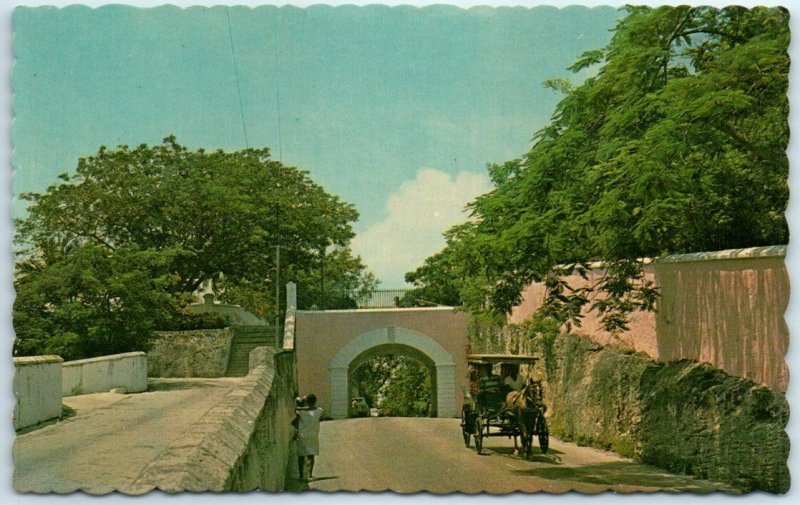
[408, 455]
[86, 451]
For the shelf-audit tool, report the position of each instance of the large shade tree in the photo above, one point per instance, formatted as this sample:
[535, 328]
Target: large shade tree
[209, 218]
[676, 144]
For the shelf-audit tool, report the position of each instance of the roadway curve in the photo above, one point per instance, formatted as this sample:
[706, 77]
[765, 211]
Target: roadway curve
[408, 455]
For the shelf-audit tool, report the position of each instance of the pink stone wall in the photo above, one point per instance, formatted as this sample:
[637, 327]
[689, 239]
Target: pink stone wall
[642, 327]
[724, 308]
[321, 334]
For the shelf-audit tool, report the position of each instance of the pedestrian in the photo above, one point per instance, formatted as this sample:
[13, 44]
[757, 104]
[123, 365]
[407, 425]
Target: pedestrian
[307, 423]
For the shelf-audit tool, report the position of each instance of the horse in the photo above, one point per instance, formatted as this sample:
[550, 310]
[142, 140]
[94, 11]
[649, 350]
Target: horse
[528, 408]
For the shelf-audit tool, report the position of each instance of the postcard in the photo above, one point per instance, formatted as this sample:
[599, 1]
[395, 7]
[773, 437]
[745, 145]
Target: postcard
[440, 248]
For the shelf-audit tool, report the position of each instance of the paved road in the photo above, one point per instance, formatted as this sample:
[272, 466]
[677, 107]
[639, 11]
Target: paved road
[409, 455]
[111, 438]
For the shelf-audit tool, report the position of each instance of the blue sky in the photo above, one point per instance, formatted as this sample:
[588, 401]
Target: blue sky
[397, 110]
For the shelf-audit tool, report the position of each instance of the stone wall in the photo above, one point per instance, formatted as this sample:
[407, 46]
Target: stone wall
[242, 443]
[193, 353]
[725, 308]
[266, 462]
[37, 388]
[98, 375]
[682, 416]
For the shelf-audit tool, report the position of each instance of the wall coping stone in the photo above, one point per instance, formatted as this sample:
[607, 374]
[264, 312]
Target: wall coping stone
[225, 431]
[100, 359]
[773, 251]
[359, 311]
[37, 360]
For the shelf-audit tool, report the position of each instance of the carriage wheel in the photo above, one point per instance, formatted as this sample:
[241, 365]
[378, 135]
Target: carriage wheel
[465, 428]
[544, 436]
[478, 434]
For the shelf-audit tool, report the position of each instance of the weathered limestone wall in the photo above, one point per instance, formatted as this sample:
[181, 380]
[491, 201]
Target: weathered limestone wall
[724, 308]
[37, 388]
[193, 353]
[97, 375]
[266, 462]
[681, 416]
[242, 443]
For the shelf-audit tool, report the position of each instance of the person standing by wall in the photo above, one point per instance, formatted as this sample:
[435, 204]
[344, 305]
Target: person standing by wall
[307, 423]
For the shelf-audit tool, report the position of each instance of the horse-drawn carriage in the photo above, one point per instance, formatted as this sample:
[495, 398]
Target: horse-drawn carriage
[492, 408]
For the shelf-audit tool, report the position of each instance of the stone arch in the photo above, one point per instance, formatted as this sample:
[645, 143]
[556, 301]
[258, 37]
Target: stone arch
[403, 340]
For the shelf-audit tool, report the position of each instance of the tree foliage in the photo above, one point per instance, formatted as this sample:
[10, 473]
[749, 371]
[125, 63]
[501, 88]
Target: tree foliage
[372, 377]
[94, 302]
[676, 144]
[205, 218]
[408, 391]
[396, 383]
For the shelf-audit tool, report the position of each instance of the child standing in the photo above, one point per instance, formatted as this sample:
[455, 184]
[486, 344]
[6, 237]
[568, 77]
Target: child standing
[307, 423]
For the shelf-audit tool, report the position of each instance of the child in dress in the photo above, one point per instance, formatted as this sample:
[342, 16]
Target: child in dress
[307, 423]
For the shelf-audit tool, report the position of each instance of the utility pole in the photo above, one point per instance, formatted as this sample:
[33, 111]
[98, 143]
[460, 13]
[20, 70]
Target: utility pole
[322, 280]
[277, 296]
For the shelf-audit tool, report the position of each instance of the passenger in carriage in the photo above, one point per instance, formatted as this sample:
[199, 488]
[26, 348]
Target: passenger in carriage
[512, 381]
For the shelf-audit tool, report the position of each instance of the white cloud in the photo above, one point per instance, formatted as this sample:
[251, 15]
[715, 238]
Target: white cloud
[417, 214]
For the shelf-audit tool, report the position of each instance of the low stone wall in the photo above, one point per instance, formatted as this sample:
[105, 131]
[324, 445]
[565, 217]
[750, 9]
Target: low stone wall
[266, 462]
[682, 416]
[193, 353]
[98, 375]
[241, 444]
[37, 388]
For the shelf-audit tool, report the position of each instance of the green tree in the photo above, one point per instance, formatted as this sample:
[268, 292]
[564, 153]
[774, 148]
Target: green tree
[676, 144]
[408, 391]
[93, 302]
[212, 217]
[373, 376]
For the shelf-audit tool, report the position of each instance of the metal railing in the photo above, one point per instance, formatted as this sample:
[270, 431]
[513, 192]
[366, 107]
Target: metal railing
[382, 299]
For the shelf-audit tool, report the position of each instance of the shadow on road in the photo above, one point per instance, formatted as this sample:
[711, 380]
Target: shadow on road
[510, 450]
[66, 413]
[536, 457]
[297, 485]
[622, 473]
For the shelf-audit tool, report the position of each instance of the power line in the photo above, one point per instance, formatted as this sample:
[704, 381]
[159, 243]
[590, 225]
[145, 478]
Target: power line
[236, 73]
[277, 83]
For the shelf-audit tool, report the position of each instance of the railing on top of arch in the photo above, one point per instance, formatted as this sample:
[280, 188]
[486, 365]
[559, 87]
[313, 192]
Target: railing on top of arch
[382, 299]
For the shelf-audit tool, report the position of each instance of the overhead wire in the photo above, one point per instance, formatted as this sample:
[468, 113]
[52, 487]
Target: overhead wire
[277, 84]
[236, 73]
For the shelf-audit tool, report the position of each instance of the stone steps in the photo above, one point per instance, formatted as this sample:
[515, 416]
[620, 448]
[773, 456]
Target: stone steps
[245, 339]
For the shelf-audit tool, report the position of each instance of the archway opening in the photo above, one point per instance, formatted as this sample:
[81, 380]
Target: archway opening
[394, 340]
[392, 380]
